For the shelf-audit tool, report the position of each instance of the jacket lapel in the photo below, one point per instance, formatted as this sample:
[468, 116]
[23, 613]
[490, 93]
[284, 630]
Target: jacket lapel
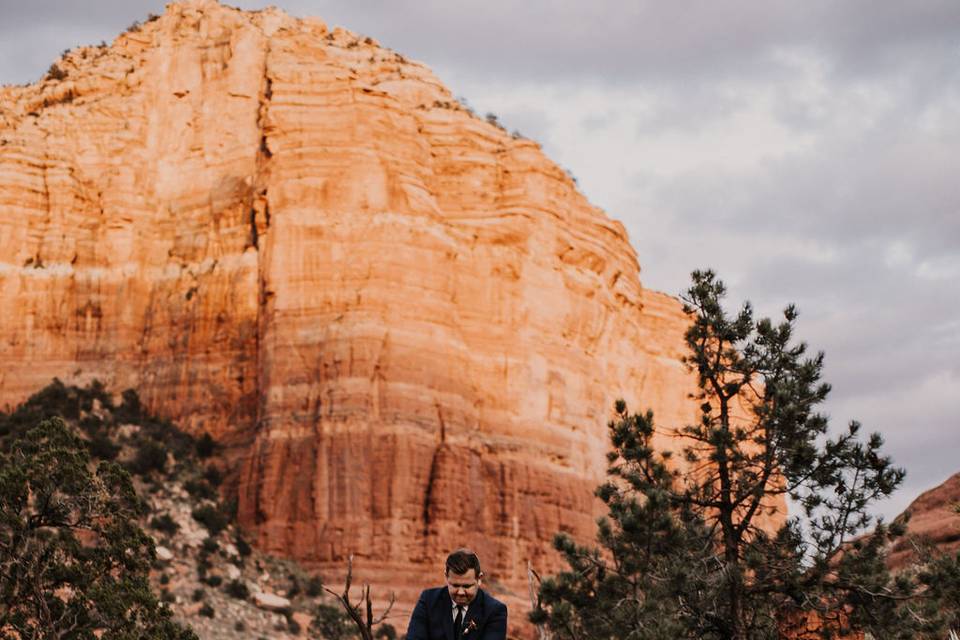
[445, 605]
[474, 613]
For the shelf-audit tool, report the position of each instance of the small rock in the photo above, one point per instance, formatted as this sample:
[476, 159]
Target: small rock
[164, 554]
[270, 601]
[233, 573]
[127, 430]
[194, 541]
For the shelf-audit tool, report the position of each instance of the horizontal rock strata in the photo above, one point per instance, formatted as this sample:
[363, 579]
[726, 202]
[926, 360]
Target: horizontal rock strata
[409, 324]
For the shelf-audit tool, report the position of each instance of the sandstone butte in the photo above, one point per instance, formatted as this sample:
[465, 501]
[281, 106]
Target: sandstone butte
[407, 326]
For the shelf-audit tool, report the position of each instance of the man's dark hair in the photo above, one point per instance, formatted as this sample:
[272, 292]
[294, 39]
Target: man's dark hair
[461, 561]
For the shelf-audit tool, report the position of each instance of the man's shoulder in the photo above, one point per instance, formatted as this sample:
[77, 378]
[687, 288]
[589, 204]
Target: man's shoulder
[492, 603]
[431, 595]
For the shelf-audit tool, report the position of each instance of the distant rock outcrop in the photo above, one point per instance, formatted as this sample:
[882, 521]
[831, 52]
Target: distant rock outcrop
[934, 520]
[409, 325]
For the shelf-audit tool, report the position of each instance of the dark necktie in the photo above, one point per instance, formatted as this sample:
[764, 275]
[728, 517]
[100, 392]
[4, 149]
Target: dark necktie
[458, 624]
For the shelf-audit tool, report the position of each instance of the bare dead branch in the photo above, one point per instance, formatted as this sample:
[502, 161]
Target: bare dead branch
[364, 627]
[542, 632]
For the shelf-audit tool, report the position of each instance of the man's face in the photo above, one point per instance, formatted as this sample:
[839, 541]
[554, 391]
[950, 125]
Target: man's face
[463, 586]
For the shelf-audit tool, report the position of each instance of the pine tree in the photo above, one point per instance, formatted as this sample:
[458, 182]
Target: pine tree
[74, 562]
[688, 551]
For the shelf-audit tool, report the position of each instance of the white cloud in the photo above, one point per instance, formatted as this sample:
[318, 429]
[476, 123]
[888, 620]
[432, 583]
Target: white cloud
[943, 268]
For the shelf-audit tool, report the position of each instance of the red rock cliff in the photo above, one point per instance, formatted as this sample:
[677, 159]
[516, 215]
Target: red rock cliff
[934, 520]
[411, 324]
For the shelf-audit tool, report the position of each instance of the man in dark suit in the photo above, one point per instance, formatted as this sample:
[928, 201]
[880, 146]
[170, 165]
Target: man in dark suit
[461, 610]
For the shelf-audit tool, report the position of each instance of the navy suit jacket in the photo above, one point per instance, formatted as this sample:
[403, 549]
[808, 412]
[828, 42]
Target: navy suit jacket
[432, 618]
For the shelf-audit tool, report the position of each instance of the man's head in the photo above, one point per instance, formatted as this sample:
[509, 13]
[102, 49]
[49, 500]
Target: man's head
[463, 576]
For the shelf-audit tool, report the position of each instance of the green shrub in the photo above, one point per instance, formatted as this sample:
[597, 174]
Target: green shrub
[102, 447]
[314, 586]
[52, 401]
[96, 391]
[179, 443]
[210, 545]
[150, 456]
[203, 565]
[332, 623]
[130, 411]
[294, 589]
[206, 610]
[205, 445]
[243, 547]
[200, 490]
[211, 518]
[385, 631]
[90, 424]
[164, 524]
[57, 399]
[237, 589]
[55, 72]
[492, 118]
[198, 594]
[74, 557]
[229, 509]
[212, 475]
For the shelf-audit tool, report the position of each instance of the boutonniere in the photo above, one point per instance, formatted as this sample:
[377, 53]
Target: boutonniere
[470, 627]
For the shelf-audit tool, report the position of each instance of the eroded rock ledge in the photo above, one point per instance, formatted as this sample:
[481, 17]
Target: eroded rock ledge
[410, 325]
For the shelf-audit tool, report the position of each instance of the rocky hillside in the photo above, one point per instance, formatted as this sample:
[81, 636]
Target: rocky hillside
[205, 569]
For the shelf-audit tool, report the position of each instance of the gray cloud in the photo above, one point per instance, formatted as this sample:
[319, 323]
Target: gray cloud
[675, 41]
[891, 181]
[33, 34]
[861, 228]
[891, 346]
[601, 41]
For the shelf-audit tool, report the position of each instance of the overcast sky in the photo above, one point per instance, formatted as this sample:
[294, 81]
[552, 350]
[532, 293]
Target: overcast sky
[807, 151]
